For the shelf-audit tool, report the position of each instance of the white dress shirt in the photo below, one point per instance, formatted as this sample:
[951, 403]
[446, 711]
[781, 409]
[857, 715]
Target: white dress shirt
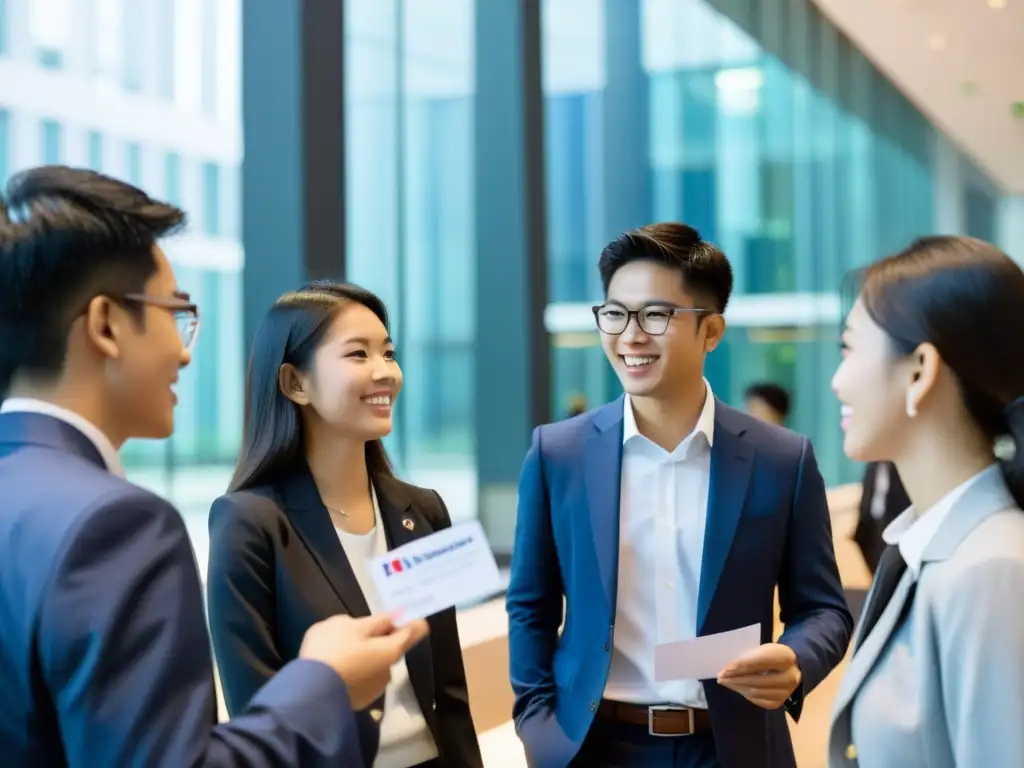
[913, 534]
[102, 443]
[662, 516]
[405, 739]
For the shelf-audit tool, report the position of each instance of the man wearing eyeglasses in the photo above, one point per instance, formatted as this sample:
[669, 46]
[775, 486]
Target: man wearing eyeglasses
[104, 653]
[664, 516]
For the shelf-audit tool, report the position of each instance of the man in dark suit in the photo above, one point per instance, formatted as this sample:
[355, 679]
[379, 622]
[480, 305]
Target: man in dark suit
[104, 654]
[663, 516]
[882, 500]
[767, 401]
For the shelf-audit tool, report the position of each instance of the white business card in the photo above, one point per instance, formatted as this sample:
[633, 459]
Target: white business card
[702, 658]
[449, 568]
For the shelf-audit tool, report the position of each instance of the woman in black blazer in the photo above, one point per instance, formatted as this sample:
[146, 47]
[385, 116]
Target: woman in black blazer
[312, 499]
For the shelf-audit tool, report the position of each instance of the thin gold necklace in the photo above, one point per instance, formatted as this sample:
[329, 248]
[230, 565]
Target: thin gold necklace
[341, 512]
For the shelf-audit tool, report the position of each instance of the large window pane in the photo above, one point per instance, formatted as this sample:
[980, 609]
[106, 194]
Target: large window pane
[211, 199]
[574, 42]
[573, 56]
[133, 163]
[95, 150]
[409, 132]
[172, 177]
[51, 140]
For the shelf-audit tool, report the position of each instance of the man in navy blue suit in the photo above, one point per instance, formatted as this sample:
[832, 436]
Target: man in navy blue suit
[104, 653]
[663, 516]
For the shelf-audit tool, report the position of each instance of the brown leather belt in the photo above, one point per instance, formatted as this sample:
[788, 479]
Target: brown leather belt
[660, 720]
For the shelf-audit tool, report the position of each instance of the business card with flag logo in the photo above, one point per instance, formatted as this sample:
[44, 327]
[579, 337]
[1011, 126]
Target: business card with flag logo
[453, 567]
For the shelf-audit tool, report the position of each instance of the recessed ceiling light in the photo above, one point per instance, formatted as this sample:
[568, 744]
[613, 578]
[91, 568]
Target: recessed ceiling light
[937, 43]
[997, 5]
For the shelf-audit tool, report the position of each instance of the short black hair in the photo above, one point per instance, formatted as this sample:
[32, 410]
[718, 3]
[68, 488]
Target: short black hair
[706, 272]
[66, 236]
[775, 396]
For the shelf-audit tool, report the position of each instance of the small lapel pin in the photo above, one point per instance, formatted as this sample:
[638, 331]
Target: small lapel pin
[408, 524]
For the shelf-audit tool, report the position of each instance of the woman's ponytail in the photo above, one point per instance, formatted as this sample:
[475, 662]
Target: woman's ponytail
[1012, 460]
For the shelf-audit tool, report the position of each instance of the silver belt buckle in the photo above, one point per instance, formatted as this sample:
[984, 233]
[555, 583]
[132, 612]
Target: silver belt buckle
[668, 708]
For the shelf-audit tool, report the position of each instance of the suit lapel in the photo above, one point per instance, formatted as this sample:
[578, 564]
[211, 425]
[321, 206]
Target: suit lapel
[986, 496]
[405, 522]
[603, 470]
[731, 467]
[869, 648]
[313, 524]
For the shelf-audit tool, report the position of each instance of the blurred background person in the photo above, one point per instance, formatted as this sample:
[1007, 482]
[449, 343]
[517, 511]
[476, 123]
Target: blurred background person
[767, 401]
[931, 376]
[577, 405]
[314, 499]
[883, 498]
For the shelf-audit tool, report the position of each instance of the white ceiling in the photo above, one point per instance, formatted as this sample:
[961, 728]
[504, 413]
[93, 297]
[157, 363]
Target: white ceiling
[937, 52]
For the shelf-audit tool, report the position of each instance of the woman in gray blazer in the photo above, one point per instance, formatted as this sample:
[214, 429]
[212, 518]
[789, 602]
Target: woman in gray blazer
[932, 376]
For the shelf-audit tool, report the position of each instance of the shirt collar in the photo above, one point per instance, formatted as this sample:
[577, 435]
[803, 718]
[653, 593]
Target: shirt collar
[705, 422]
[913, 534]
[102, 443]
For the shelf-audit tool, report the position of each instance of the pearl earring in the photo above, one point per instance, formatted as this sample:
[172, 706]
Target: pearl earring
[911, 406]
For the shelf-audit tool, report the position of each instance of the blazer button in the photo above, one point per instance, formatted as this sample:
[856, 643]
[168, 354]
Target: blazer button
[376, 714]
[851, 752]
[433, 705]
[606, 646]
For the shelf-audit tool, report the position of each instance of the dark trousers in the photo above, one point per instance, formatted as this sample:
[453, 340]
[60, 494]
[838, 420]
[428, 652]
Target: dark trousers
[619, 745]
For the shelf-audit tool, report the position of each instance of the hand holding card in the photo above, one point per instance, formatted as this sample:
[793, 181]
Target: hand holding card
[449, 568]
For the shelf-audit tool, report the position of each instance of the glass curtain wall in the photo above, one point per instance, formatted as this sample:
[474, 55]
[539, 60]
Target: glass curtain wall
[574, 39]
[771, 134]
[409, 80]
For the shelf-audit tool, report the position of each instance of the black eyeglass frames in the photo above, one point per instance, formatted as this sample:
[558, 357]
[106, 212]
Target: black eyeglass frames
[186, 314]
[613, 319]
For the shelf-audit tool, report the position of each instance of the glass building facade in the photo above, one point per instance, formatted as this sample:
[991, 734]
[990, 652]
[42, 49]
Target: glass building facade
[467, 160]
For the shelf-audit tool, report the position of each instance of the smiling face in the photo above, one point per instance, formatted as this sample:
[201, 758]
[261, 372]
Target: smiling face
[143, 355]
[871, 384]
[651, 364]
[354, 380]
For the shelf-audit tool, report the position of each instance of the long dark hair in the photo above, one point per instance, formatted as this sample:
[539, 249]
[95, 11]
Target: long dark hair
[291, 333]
[966, 298]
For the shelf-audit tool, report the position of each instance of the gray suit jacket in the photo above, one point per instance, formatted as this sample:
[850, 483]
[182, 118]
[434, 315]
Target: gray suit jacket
[944, 688]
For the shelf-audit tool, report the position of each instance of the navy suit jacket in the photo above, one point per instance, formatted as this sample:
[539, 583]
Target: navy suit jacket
[767, 525]
[104, 654]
